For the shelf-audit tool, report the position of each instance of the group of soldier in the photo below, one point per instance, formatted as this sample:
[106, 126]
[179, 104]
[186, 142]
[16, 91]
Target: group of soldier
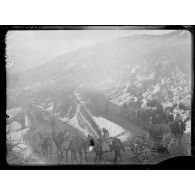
[76, 145]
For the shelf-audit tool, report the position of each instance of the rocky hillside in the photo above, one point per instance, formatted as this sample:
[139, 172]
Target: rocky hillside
[140, 67]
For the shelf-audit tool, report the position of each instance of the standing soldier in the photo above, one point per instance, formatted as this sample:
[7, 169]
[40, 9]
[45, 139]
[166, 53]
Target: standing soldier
[178, 128]
[105, 141]
[150, 123]
[159, 115]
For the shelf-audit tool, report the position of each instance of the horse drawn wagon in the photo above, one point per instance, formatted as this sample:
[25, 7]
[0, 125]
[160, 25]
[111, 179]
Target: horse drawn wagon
[149, 146]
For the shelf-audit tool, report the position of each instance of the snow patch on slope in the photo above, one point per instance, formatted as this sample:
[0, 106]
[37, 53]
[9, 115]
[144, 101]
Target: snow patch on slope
[113, 129]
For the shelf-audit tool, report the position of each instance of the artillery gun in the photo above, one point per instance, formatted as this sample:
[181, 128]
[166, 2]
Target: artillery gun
[159, 138]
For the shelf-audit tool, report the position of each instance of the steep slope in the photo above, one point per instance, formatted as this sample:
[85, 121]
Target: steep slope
[150, 63]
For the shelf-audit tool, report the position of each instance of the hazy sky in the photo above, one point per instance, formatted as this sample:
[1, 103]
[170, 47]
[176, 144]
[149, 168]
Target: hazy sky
[27, 49]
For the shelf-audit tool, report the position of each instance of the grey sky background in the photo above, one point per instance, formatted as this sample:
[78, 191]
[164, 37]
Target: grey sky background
[28, 49]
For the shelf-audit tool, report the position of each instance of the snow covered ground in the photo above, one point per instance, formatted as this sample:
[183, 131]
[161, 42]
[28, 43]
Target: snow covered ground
[16, 137]
[113, 129]
[15, 134]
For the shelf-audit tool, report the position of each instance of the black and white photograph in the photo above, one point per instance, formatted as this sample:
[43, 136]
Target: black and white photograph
[98, 96]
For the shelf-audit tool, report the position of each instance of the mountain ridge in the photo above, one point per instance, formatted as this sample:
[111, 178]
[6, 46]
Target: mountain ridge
[140, 36]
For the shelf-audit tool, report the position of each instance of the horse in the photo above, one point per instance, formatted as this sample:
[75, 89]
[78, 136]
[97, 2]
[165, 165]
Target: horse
[116, 146]
[77, 145]
[46, 144]
[58, 140]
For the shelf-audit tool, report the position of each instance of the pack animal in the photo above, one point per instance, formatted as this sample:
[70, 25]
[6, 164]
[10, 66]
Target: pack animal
[116, 146]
